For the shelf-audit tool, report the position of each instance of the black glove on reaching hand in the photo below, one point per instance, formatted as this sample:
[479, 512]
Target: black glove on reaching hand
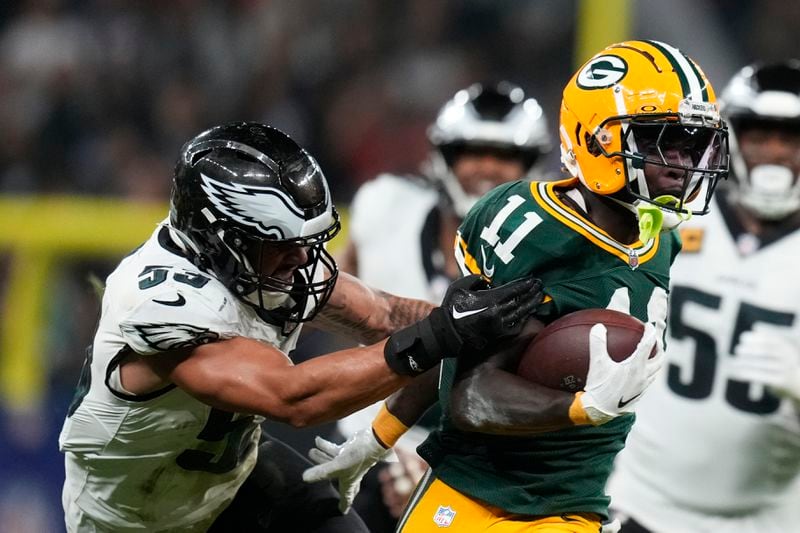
[471, 315]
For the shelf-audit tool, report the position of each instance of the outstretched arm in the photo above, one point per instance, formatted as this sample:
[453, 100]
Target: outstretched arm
[247, 376]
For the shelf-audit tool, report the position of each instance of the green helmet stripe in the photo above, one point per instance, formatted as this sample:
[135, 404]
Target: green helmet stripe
[692, 83]
[699, 77]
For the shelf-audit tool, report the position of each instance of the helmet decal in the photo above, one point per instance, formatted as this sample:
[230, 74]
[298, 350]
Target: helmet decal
[266, 209]
[602, 72]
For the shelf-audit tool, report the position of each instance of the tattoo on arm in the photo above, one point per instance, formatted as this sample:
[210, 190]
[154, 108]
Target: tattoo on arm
[337, 318]
[367, 314]
[405, 311]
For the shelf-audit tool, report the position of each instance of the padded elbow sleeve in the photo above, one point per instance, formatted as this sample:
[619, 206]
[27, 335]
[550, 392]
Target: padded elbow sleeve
[420, 346]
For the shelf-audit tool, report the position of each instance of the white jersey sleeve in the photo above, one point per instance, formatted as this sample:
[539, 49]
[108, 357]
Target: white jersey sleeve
[162, 461]
[177, 317]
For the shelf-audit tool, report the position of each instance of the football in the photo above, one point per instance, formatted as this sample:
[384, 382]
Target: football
[558, 357]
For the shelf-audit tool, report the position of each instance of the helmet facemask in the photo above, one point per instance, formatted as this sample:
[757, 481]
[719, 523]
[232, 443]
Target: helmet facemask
[760, 101]
[640, 125]
[770, 191]
[650, 140]
[441, 164]
[283, 301]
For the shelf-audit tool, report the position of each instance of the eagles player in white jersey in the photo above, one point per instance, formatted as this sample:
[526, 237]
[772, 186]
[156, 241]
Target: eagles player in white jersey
[191, 349]
[716, 444]
[487, 134]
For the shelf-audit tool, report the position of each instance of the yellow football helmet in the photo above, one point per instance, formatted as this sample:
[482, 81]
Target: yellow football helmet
[630, 105]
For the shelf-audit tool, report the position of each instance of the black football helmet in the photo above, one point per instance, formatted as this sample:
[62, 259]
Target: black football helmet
[495, 115]
[239, 191]
[764, 96]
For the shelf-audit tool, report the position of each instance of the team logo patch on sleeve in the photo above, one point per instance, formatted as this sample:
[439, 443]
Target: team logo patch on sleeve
[165, 337]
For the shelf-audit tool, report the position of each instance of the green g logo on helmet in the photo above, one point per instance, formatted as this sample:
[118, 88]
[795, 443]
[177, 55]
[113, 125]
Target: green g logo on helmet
[602, 72]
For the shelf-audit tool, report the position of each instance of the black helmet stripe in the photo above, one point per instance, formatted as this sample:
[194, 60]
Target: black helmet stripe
[240, 147]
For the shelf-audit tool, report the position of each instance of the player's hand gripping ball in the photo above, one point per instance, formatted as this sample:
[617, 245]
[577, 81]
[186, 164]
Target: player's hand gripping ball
[558, 357]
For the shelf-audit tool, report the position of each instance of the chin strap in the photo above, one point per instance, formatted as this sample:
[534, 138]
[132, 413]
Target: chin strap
[653, 219]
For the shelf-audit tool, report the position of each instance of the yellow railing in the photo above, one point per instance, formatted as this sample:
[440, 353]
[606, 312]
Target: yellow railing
[600, 23]
[39, 234]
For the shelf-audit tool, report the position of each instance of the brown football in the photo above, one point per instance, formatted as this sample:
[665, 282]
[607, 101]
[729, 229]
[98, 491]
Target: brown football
[558, 357]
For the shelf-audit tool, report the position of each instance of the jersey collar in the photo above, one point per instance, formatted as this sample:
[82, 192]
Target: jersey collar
[544, 193]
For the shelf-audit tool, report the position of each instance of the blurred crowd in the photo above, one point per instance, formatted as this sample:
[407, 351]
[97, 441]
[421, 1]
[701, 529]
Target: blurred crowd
[99, 95]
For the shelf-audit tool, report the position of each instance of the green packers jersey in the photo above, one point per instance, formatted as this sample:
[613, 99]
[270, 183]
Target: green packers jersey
[524, 228]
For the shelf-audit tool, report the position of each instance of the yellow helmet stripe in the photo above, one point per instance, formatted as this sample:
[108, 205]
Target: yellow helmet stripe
[692, 82]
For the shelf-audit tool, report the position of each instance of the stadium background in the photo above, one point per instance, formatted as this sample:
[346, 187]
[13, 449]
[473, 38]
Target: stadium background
[98, 95]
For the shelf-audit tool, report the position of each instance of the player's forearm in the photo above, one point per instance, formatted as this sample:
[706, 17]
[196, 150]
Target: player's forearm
[348, 381]
[410, 403]
[367, 314]
[497, 402]
[245, 376]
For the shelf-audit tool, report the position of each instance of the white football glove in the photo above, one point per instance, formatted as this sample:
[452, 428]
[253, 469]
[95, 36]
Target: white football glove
[347, 463]
[769, 355]
[612, 388]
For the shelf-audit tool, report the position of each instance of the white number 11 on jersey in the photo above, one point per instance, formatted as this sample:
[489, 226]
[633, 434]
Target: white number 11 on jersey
[504, 250]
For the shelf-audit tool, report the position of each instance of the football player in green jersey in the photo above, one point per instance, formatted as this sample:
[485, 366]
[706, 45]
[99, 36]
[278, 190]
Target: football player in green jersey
[643, 141]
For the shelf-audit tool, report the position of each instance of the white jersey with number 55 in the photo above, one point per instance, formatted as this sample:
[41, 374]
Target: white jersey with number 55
[709, 452]
[162, 461]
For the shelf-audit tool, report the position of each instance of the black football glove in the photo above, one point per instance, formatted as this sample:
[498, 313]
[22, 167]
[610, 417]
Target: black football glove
[471, 316]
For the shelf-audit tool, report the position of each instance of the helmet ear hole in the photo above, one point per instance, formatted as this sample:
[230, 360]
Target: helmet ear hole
[592, 146]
